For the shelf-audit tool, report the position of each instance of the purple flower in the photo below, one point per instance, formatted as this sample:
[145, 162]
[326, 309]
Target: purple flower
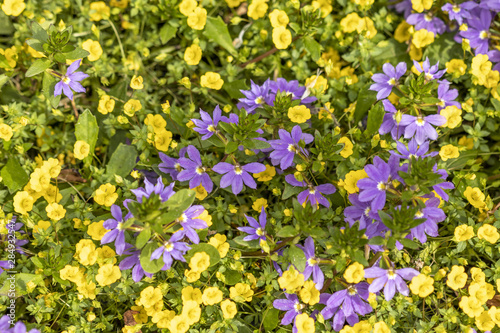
[208, 126]
[291, 305]
[428, 22]
[256, 230]
[171, 249]
[447, 96]
[190, 222]
[4, 264]
[384, 82]
[359, 211]
[71, 81]
[164, 192]
[15, 227]
[460, 11]
[236, 175]
[390, 280]
[390, 123]
[348, 302]
[288, 145]
[313, 194]
[19, 327]
[431, 72]
[478, 32]
[492, 5]
[290, 88]
[432, 215]
[414, 150]
[115, 233]
[421, 128]
[404, 7]
[312, 264]
[169, 165]
[194, 171]
[255, 97]
[134, 261]
[439, 188]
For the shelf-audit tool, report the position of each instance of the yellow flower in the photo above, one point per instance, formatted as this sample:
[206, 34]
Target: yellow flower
[494, 313]
[23, 202]
[11, 56]
[233, 3]
[422, 285]
[491, 80]
[94, 48]
[354, 273]
[422, 38]
[86, 253]
[309, 294]
[108, 274]
[163, 140]
[44, 225]
[477, 275]
[351, 179]
[402, 32]
[5, 132]
[13, 7]
[211, 80]
[304, 323]
[199, 262]
[137, 82]
[475, 197]
[481, 67]
[52, 167]
[484, 321]
[318, 84]
[466, 142]
[81, 149]
[278, 18]
[186, 7]
[350, 23]
[463, 232]
[87, 290]
[162, 319]
[457, 278]
[201, 193]
[219, 242]
[106, 104]
[363, 3]
[191, 294]
[165, 107]
[266, 175]
[415, 53]
[381, 327]
[205, 217]
[291, 280]
[178, 324]
[55, 211]
[299, 114]
[282, 37]
[99, 10]
[481, 291]
[257, 9]
[197, 19]
[156, 121]
[453, 116]
[73, 274]
[191, 276]
[324, 5]
[39, 180]
[106, 195]
[228, 308]
[191, 311]
[131, 107]
[241, 292]
[211, 296]
[347, 150]
[488, 233]
[192, 55]
[448, 151]
[96, 230]
[420, 5]
[362, 327]
[150, 296]
[456, 67]
[258, 204]
[119, 3]
[367, 26]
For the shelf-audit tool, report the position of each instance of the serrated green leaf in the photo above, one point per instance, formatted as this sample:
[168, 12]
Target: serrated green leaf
[38, 66]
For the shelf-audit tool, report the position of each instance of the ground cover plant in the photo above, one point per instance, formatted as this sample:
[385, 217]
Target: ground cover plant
[249, 166]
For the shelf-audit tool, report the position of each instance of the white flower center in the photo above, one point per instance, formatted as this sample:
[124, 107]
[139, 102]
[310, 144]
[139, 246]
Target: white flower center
[66, 79]
[169, 246]
[456, 8]
[419, 214]
[238, 170]
[291, 148]
[381, 186]
[392, 82]
[200, 170]
[484, 34]
[211, 128]
[312, 262]
[260, 232]
[420, 121]
[259, 100]
[367, 210]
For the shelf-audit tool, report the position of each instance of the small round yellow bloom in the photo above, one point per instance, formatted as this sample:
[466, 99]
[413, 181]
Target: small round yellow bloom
[354, 273]
[191, 276]
[94, 48]
[448, 151]
[318, 84]
[178, 324]
[481, 291]
[156, 121]
[99, 11]
[55, 211]
[456, 67]
[211, 80]
[420, 5]
[278, 18]
[381, 327]
[13, 7]
[106, 195]
[463, 232]
[422, 285]
[199, 262]
[291, 280]
[197, 19]
[137, 82]
[282, 37]
[422, 38]
[475, 197]
[258, 204]
[325, 6]
[257, 9]
[457, 278]
[150, 296]
[228, 308]
[351, 180]
[266, 175]
[488, 233]
[233, 3]
[96, 230]
[51, 167]
[241, 292]
[299, 114]
[304, 323]
[5, 132]
[192, 55]
[201, 193]
[484, 321]
[131, 107]
[163, 140]
[494, 313]
[350, 23]
[23, 202]
[347, 150]
[106, 104]
[186, 7]
[211, 296]
[191, 311]
[81, 149]
[191, 294]
[453, 116]
[481, 67]
[309, 294]
[402, 32]
[108, 274]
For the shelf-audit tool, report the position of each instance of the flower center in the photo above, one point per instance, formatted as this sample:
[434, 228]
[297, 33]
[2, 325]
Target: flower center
[367, 210]
[381, 186]
[200, 170]
[298, 307]
[169, 246]
[259, 232]
[391, 274]
[211, 128]
[441, 103]
[429, 76]
[392, 82]
[312, 261]
[420, 121]
[351, 290]
[419, 214]
[484, 34]
[428, 17]
[259, 100]
[66, 79]
[291, 148]
[456, 8]
[177, 167]
[238, 170]
[183, 218]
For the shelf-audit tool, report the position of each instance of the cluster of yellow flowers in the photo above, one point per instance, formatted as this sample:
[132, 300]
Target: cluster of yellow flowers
[196, 15]
[362, 25]
[332, 63]
[365, 326]
[158, 134]
[487, 232]
[39, 186]
[482, 73]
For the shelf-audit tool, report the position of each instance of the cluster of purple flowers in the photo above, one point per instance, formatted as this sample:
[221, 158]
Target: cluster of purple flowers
[18, 327]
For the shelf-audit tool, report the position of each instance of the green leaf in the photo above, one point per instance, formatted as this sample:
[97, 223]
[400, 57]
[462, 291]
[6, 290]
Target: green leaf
[86, 129]
[291, 190]
[122, 161]
[145, 259]
[216, 141]
[231, 277]
[365, 100]
[38, 66]
[208, 249]
[271, 319]
[313, 47]
[77, 53]
[231, 146]
[3, 80]
[14, 176]
[259, 144]
[297, 257]
[6, 27]
[3, 62]
[409, 243]
[233, 88]
[167, 32]
[38, 32]
[143, 238]
[288, 231]
[35, 44]
[21, 280]
[377, 240]
[177, 204]
[375, 118]
[48, 86]
[216, 30]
